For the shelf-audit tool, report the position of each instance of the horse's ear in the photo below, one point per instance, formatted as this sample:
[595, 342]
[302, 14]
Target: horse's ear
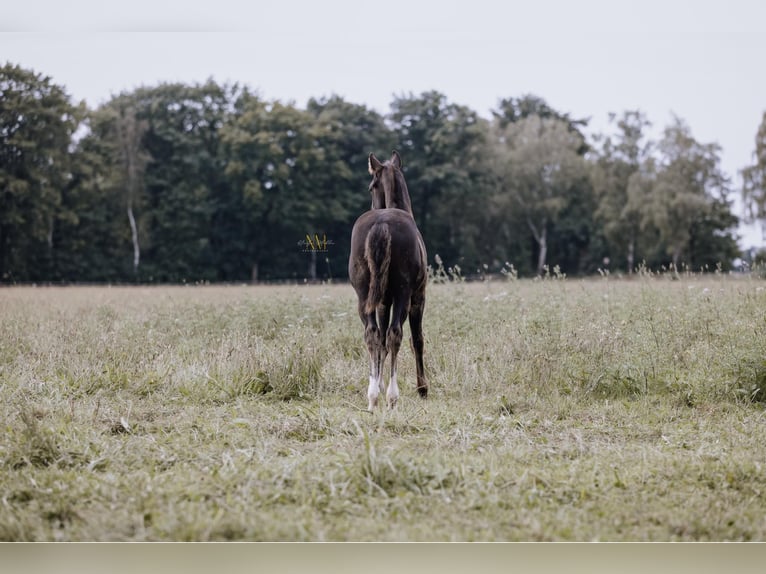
[396, 159]
[373, 164]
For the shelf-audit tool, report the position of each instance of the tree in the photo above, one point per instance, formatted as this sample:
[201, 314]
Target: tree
[688, 183]
[273, 163]
[754, 176]
[346, 133]
[616, 179]
[92, 241]
[539, 170]
[711, 240]
[638, 197]
[513, 110]
[443, 148]
[37, 123]
[121, 134]
[184, 182]
[130, 132]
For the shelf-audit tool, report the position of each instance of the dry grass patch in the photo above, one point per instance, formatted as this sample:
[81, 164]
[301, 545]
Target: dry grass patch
[560, 409]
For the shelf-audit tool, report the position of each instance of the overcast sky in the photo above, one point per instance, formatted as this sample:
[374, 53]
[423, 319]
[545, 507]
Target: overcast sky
[702, 60]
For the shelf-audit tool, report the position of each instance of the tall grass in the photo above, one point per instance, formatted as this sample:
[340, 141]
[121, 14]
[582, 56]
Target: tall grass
[560, 409]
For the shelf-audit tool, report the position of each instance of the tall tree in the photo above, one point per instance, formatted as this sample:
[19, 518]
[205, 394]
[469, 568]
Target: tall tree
[618, 162]
[184, 179]
[130, 132]
[442, 146]
[689, 182]
[37, 123]
[92, 241]
[539, 169]
[273, 162]
[121, 135]
[346, 133]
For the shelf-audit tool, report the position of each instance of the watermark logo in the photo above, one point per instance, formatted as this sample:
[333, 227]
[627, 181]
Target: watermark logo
[315, 243]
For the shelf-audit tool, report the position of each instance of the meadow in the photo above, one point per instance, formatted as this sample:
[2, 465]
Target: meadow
[560, 409]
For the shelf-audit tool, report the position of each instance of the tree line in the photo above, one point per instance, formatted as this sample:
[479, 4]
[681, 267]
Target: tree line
[212, 182]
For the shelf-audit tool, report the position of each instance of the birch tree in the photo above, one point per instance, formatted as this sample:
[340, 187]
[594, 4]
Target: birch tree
[619, 173]
[538, 168]
[688, 184]
[129, 132]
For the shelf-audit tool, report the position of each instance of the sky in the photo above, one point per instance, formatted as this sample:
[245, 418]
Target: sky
[700, 60]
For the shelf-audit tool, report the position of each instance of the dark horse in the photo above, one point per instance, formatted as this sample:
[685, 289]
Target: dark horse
[387, 268]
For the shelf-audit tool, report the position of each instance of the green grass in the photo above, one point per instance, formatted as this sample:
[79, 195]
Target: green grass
[559, 409]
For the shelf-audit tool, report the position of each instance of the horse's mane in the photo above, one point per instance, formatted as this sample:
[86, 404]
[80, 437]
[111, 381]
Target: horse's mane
[402, 193]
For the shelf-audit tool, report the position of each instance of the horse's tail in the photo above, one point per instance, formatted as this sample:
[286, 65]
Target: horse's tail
[377, 252]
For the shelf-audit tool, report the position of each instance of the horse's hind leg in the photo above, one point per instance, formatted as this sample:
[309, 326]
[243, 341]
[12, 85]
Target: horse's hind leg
[393, 343]
[372, 337]
[384, 318]
[416, 328]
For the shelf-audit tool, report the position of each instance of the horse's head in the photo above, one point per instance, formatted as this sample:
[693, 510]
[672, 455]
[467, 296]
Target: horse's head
[388, 188]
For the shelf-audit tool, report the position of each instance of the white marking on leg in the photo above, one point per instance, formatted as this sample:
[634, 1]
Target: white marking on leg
[372, 393]
[381, 368]
[392, 395]
[374, 388]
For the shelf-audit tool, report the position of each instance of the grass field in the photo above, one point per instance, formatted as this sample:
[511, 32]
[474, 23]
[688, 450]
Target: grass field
[560, 409]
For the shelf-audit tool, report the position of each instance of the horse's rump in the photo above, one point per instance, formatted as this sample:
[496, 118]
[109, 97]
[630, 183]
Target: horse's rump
[386, 246]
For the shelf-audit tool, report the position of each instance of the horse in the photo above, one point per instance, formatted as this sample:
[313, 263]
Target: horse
[387, 268]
